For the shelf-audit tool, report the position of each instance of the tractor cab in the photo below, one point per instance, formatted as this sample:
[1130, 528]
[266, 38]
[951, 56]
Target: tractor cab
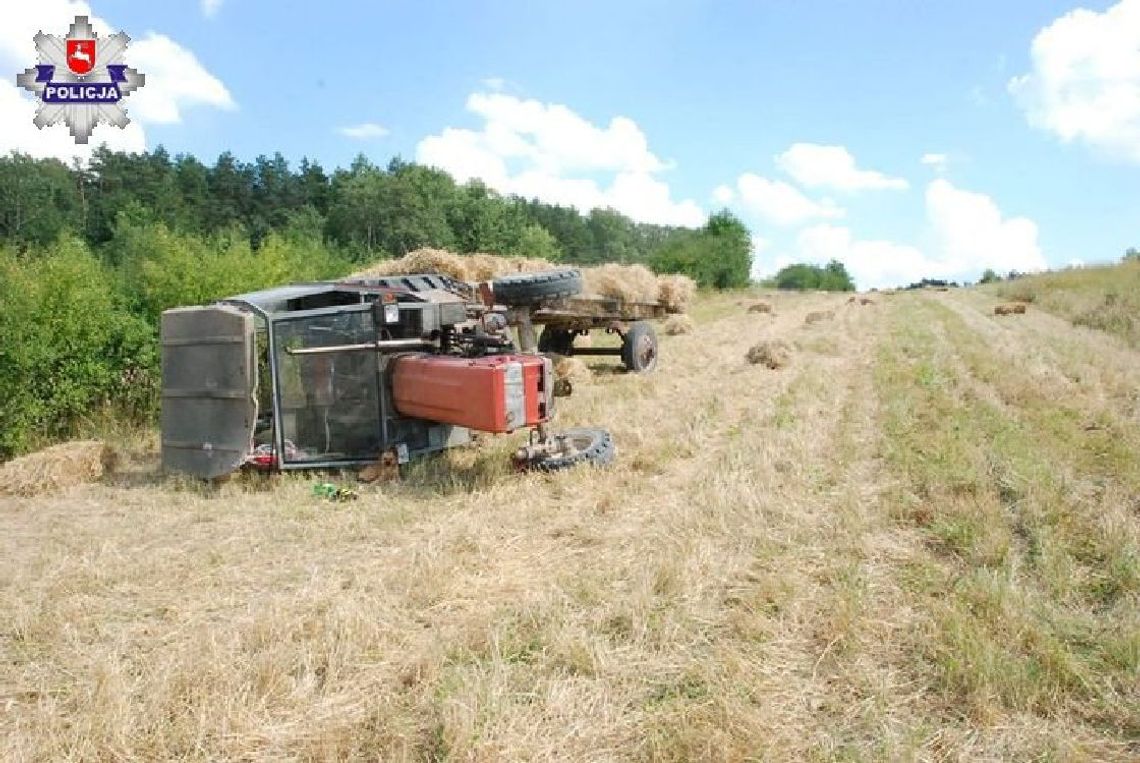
[292, 377]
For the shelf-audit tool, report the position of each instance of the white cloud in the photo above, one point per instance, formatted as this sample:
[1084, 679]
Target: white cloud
[816, 166]
[723, 194]
[870, 263]
[210, 8]
[973, 235]
[364, 131]
[175, 80]
[781, 203]
[559, 140]
[1085, 79]
[967, 232]
[548, 151]
[937, 162]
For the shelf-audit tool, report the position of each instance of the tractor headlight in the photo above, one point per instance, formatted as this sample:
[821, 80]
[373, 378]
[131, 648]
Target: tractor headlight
[391, 313]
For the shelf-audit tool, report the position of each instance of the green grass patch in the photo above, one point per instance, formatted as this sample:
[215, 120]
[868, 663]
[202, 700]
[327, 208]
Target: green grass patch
[1023, 586]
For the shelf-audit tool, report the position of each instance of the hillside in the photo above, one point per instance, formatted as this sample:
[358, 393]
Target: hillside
[1103, 297]
[919, 540]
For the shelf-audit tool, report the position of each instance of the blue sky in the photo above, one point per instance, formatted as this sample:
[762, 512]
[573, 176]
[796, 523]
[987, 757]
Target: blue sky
[808, 119]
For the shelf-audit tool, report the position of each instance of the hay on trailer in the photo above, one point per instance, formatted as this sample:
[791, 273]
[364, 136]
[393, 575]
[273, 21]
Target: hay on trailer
[483, 267]
[463, 267]
[572, 370]
[56, 468]
[629, 283]
[760, 307]
[819, 315]
[773, 353]
[678, 324]
[420, 261]
[675, 292]
[487, 267]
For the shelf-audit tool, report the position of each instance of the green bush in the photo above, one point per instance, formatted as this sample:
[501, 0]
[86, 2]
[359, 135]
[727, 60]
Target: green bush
[719, 255]
[164, 269]
[67, 347]
[832, 277]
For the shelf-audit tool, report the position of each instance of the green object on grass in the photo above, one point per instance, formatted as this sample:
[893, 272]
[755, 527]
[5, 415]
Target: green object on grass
[332, 492]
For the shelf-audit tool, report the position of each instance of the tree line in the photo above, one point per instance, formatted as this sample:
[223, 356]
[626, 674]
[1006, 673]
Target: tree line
[90, 255]
[363, 212]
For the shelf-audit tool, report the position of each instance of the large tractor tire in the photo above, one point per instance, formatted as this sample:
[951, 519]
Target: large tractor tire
[523, 289]
[591, 446]
[639, 348]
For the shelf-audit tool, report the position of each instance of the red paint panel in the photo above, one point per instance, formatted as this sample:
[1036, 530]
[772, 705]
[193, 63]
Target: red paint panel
[487, 394]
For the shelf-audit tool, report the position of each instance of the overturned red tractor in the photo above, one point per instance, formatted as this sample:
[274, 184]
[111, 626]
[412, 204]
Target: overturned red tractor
[342, 374]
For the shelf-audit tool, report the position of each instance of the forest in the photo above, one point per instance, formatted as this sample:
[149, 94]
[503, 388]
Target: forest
[91, 254]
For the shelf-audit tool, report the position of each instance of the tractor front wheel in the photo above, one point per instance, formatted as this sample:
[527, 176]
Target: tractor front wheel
[571, 448]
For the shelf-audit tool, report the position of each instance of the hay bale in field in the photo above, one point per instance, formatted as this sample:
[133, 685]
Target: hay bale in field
[760, 307]
[819, 315]
[773, 353]
[629, 283]
[676, 292]
[850, 300]
[57, 467]
[678, 324]
[572, 370]
[1016, 308]
[866, 301]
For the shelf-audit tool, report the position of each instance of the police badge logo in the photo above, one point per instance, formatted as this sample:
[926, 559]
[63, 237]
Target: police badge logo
[81, 79]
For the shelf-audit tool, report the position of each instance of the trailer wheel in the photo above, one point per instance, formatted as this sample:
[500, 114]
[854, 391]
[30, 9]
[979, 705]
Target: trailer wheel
[590, 446]
[530, 288]
[639, 348]
[556, 341]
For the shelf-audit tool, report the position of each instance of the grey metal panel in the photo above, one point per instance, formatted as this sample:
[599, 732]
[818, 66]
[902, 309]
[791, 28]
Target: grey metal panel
[274, 299]
[208, 380]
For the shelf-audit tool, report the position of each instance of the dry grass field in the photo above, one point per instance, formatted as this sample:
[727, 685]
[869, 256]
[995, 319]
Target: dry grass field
[919, 540]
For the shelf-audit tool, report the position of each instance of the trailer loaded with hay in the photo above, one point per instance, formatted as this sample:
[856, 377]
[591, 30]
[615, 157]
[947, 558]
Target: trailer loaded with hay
[374, 369]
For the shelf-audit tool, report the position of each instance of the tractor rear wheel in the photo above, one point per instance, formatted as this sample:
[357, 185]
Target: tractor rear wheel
[520, 289]
[639, 348]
